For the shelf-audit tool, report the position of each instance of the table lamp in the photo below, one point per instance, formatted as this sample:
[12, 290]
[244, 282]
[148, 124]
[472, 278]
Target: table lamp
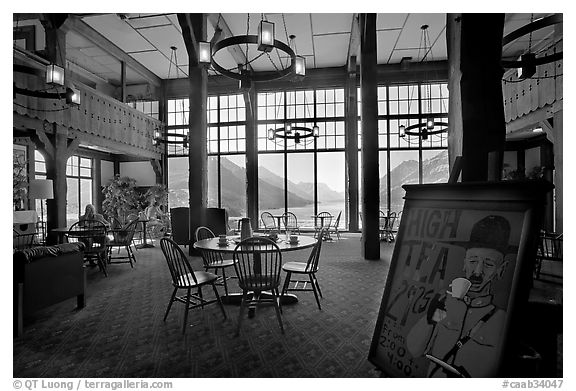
[42, 189]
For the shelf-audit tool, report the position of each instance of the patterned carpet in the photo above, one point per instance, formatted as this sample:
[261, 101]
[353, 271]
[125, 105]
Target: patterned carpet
[120, 332]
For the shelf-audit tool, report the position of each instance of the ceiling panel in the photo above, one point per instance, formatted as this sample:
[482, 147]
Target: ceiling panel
[411, 34]
[331, 50]
[331, 23]
[148, 21]
[390, 21]
[74, 40]
[158, 64]
[385, 40]
[119, 32]
[163, 38]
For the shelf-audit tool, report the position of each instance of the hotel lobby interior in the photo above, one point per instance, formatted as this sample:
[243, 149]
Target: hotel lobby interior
[407, 166]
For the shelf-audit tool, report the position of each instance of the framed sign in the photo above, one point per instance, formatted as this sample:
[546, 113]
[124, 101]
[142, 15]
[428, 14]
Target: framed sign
[461, 264]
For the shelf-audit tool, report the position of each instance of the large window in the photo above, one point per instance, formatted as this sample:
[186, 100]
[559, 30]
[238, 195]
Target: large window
[309, 177]
[226, 146]
[310, 174]
[79, 183]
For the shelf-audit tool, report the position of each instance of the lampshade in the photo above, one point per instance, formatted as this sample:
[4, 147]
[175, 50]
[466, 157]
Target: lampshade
[41, 189]
[55, 74]
[300, 66]
[265, 36]
[205, 56]
[72, 96]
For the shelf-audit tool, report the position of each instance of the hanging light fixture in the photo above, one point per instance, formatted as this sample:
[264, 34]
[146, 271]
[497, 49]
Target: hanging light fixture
[527, 63]
[172, 138]
[55, 74]
[430, 126]
[294, 132]
[266, 45]
[204, 53]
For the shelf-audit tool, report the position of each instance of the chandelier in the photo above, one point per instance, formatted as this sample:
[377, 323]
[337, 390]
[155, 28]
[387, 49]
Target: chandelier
[293, 132]
[526, 65]
[254, 47]
[168, 137]
[429, 127]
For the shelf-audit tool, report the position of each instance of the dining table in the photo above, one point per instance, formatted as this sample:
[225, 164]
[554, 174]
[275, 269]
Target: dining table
[285, 245]
[145, 243]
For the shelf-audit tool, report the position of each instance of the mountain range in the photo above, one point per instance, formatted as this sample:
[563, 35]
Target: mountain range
[271, 186]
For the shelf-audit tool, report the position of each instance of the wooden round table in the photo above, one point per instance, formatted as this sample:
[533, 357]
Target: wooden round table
[235, 298]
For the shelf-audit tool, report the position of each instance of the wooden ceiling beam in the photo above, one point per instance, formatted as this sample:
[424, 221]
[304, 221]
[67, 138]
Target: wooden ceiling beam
[81, 28]
[354, 43]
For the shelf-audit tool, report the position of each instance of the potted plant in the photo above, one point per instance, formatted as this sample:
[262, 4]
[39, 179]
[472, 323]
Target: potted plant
[120, 198]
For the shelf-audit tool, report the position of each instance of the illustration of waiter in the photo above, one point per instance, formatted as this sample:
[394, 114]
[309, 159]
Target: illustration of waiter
[462, 328]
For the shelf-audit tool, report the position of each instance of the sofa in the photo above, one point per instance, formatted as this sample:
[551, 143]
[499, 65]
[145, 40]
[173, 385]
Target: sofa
[47, 275]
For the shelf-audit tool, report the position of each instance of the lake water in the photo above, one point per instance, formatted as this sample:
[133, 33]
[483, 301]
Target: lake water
[304, 213]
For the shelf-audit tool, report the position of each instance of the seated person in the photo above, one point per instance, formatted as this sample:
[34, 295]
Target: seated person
[90, 214]
[156, 220]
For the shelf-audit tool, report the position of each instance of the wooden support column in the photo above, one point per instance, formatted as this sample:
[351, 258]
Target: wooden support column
[56, 149]
[558, 170]
[251, 157]
[477, 125]
[351, 151]
[122, 81]
[193, 30]
[370, 169]
[97, 195]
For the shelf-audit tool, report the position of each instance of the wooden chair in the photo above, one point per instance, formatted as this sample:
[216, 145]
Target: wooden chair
[258, 266]
[21, 241]
[184, 277]
[290, 222]
[550, 250]
[94, 236]
[334, 227]
[213, 259]
[309, 268]
[123, 237]
[138, 231]
[322, 220]
[268, 221]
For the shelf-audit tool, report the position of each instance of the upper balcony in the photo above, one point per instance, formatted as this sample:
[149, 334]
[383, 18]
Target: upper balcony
[100, 122]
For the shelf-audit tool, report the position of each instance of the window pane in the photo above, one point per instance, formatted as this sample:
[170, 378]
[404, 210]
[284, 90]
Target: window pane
[233, 182]
[331, 185]
[271, 183]
[178, 182]
[73, 202]
[403, 170]
[301, 188]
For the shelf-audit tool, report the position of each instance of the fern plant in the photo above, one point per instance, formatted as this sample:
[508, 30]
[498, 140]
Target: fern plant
[120, 198]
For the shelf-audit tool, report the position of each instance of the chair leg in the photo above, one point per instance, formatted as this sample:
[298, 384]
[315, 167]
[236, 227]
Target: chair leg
[170, 303]
[314, 290]
[317, 285]
[286, 283]
[279, 301]
[186, 310]
[277, 308]
[219, 300]
[201, 297]
[224, 281]
[129, 254]
[102, 263]
[242, 306]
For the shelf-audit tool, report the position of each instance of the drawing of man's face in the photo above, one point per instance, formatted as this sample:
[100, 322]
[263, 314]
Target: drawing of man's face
[481, 266]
